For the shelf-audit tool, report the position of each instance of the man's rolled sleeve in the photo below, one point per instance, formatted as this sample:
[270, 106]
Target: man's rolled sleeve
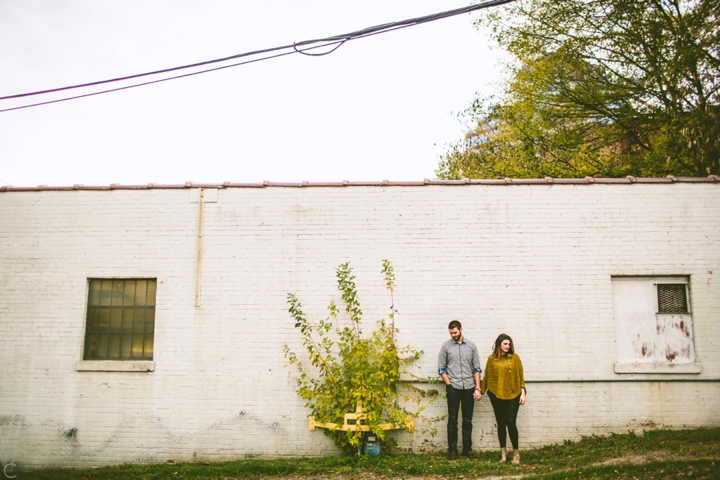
[442, 361]
[476, 362]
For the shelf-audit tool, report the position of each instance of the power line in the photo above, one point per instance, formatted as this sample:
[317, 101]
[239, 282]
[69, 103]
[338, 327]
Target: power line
[160, 80]
[337, 40]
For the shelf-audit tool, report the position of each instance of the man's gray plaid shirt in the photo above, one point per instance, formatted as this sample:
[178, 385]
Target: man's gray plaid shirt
[459, 361]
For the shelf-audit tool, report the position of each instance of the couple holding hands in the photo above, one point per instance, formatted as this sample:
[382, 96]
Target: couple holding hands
[504, 383]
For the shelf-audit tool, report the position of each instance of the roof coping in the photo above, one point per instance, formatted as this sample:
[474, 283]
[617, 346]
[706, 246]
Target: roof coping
[629, 180]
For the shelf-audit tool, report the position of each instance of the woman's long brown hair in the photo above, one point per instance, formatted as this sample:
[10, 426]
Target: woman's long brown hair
[501, 338]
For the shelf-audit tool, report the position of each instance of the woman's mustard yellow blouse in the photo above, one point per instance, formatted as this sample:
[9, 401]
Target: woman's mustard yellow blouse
[504, 377]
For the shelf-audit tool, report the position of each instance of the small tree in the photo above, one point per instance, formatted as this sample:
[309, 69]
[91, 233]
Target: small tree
[352, 370]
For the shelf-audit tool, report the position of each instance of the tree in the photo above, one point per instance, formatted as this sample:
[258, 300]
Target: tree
[601, 88]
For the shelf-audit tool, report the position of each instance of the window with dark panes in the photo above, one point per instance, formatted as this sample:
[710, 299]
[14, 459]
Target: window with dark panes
[120, 319]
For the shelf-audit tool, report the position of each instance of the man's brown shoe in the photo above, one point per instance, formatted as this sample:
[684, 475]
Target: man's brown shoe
[470, 455]
[452, 456]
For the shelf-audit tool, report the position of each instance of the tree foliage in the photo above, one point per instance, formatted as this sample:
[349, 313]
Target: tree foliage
[601, 88]
[348, 368]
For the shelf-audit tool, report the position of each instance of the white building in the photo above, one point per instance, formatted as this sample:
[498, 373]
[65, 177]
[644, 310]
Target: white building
[138, 324]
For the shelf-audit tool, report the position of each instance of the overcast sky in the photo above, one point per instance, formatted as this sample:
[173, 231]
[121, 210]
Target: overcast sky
[378, 108]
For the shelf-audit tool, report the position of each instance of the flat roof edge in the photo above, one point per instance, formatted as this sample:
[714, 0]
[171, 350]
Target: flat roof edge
[629, 180]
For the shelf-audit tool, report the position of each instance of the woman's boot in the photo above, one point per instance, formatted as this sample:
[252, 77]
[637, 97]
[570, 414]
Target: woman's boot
[503, 455]
[516, 457]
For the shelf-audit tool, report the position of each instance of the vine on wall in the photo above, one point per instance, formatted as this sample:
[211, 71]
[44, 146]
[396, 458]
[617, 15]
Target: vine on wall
[350, 369]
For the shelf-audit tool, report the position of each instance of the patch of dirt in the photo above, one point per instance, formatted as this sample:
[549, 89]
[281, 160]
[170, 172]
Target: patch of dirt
[637, 459]
[371, 476]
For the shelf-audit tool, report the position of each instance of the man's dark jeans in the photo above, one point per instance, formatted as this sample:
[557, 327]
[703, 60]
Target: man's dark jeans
[455, 398]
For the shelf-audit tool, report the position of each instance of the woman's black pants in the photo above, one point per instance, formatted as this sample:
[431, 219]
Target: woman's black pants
[506, 417]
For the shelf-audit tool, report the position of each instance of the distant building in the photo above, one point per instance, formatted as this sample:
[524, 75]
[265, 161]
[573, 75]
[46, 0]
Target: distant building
[486, 128]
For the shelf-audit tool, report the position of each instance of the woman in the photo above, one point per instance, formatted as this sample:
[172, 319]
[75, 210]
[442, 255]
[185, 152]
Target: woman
[505, 384]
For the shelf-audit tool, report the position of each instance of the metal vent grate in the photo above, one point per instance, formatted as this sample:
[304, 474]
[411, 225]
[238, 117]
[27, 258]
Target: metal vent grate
[672, 298]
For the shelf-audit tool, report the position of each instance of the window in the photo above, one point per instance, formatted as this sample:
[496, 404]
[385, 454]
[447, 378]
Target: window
[120, 322]
[653, 325]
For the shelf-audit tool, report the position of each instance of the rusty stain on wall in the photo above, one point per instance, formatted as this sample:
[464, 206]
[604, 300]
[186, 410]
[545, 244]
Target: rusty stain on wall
[676, 337]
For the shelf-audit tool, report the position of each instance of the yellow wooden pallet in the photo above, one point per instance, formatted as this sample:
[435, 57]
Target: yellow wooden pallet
[354, 422]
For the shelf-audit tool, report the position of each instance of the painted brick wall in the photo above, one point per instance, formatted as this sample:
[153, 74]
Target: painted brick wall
[533, 261]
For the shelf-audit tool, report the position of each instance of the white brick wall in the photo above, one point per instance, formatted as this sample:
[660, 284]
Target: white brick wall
[533, 261]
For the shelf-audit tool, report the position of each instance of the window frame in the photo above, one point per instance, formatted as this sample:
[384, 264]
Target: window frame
[116, 364]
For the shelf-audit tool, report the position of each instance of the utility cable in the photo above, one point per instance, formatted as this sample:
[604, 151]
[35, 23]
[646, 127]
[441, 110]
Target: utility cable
[100, 92]
[337, 40]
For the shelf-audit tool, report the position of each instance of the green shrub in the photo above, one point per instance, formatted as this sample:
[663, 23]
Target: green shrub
[351, 370]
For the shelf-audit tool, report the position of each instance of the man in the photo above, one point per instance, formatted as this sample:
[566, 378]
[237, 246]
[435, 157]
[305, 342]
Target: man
[459, 367]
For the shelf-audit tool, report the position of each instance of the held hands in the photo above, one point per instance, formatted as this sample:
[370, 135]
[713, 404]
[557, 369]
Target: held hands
[477, 395]
[522, 398]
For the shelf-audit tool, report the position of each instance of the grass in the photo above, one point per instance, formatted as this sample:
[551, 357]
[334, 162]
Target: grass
[659, 454]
